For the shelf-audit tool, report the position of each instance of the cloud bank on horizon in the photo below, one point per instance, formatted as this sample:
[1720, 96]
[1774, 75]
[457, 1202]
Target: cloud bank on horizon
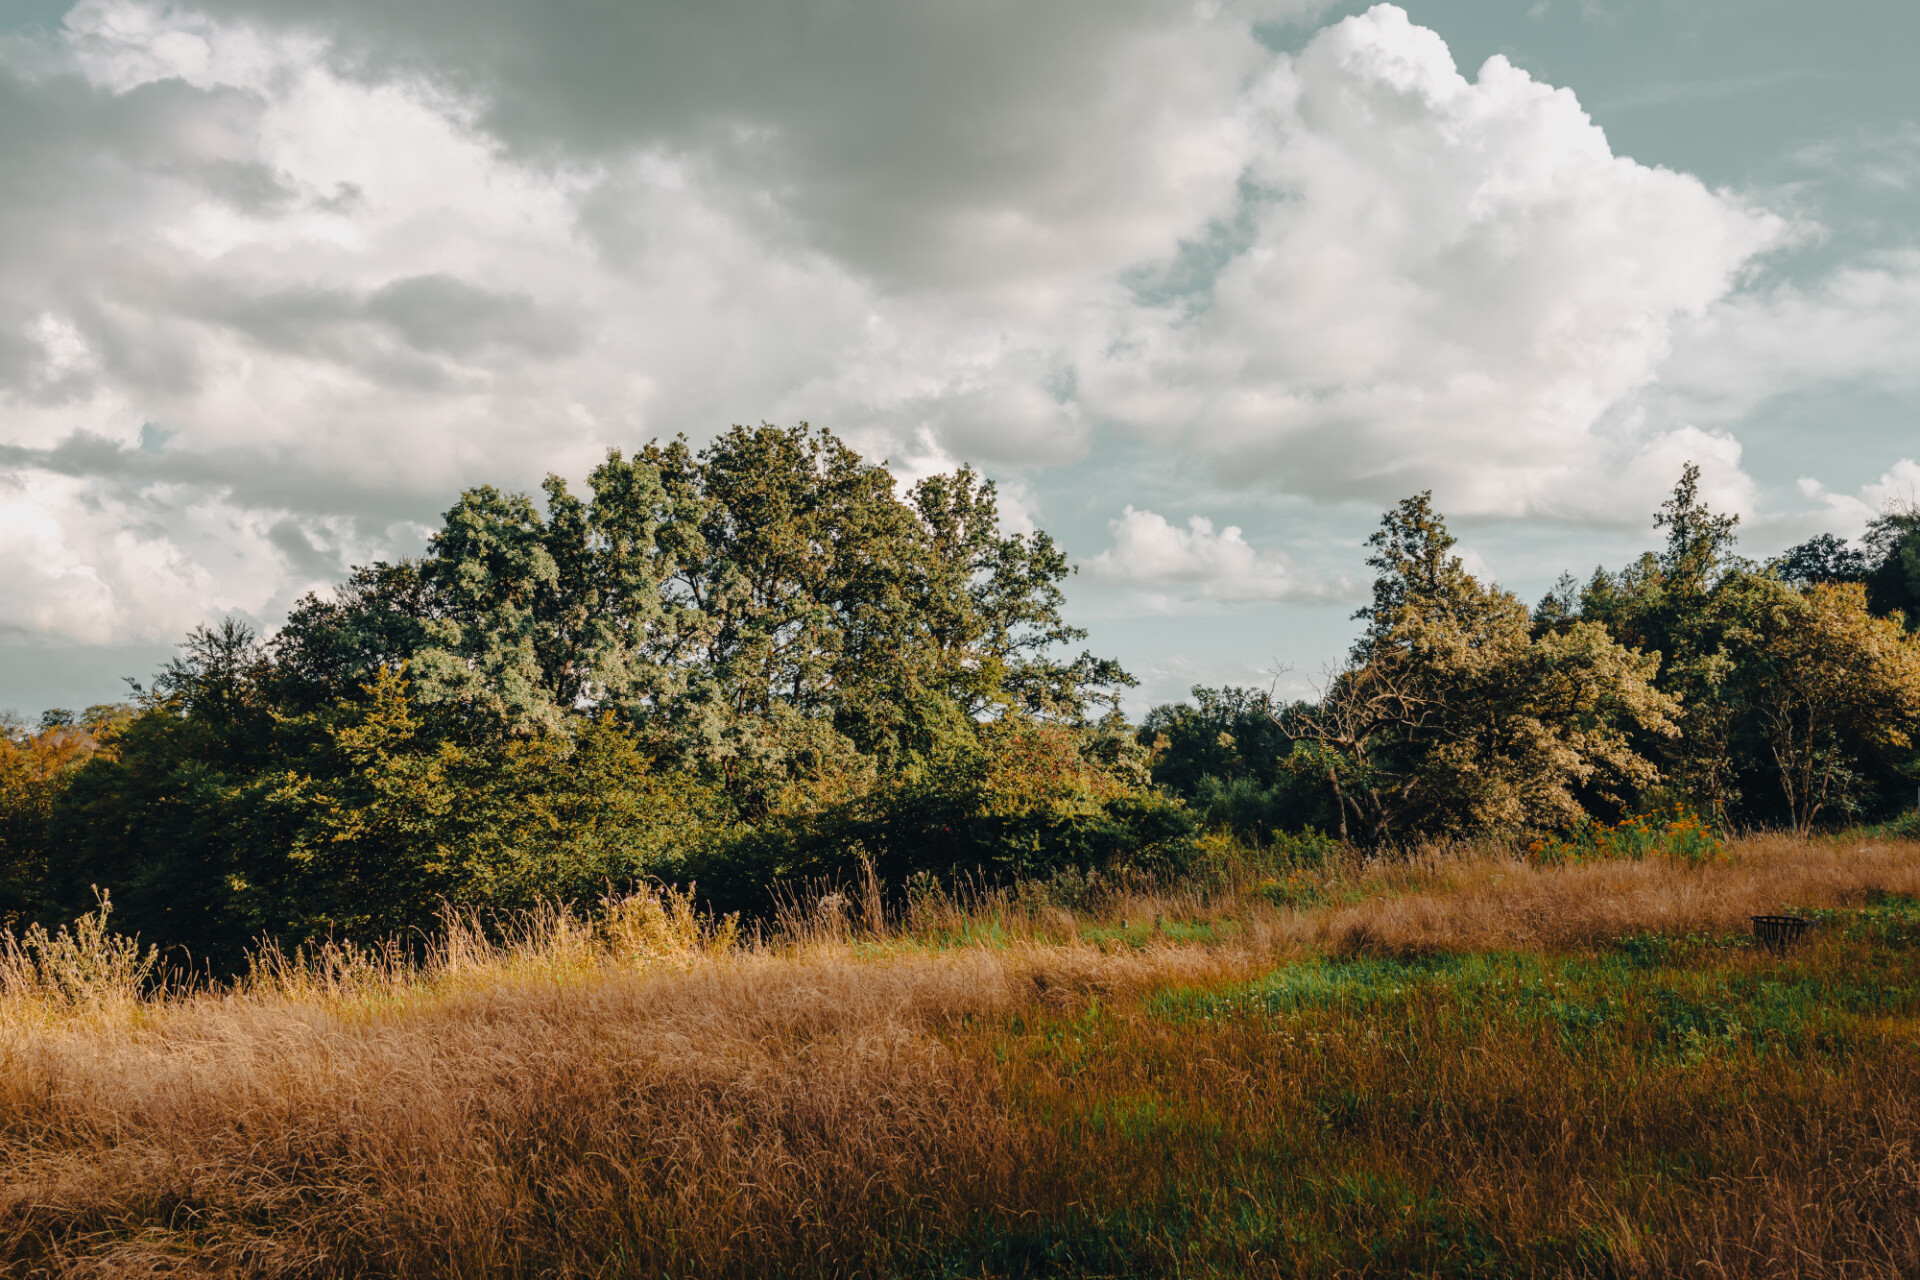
[277, 280]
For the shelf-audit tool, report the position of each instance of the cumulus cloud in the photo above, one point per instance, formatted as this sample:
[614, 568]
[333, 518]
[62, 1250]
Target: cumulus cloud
[1897, 489]
[1859, 324]
[83, 567]
[276, 279]
[974, 147]
[1440, 282]
[324, 305]
[338, 262]
[1159, 559]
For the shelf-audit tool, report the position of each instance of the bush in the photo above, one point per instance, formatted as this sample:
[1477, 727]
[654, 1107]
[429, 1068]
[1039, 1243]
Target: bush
[359, 821]
[1012, 800]
[1221, 863]
[1675, 833]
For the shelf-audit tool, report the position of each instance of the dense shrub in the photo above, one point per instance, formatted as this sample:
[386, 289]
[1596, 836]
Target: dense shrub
[1676, 833]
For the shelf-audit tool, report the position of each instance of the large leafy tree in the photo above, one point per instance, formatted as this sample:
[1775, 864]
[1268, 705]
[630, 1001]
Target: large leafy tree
[514, 618]
[1789, 682]
[819, 616]
[1823, 558]
[1452, 715]
[1826, 686]
[1893, 551]
[759, 638]
[1668, 604]
[767, 607]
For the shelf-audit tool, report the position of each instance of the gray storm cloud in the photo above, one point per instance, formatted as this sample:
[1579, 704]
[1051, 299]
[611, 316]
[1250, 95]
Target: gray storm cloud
[934, 144]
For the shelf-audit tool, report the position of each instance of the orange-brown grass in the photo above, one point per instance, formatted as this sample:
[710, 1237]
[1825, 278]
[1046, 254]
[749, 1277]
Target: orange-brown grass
[998, 1089]
[533, 1108]
[1477, 903]
[716, 1121]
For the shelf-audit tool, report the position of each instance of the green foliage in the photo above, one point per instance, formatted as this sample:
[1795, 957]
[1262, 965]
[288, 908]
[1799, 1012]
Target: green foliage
[357, 818]
[758, 663]
[35, 769]
[1787, 694]
[1227, 734]
[1453, 716]
[747, 663]
[1797, 693]
[382, 818]
[1223, 755]
[1675, 833]
[1893, 551]
[763, 610]
[1824, 558]
[1457, 712]
[1010, 799]
[1830, 689]
[1699, 540]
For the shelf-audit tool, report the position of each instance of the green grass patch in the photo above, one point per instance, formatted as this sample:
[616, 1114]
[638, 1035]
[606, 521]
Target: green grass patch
[1888, 920]
[1142, 933]
[1475, 1115]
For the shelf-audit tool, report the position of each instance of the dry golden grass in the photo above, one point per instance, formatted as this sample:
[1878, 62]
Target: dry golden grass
[690, 1109]
[1482, 903]
[641, 1099]
[721, 1116]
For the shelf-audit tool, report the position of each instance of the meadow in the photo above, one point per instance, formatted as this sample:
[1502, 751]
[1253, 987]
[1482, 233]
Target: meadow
[1459, 1062]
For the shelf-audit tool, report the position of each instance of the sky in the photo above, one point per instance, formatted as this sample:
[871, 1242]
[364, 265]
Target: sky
[1203, 286]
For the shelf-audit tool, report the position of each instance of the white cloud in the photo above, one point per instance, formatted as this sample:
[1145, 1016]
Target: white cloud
[1849, 513]
[394, 319]
[1656, 465]
[328, 296]
[1172, 677]
[1859, 325]
[1009, 154]
[1443, 282]
[78, 569]
[1159, 559]
[276, 281]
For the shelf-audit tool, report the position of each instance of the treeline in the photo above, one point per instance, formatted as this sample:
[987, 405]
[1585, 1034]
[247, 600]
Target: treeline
[760, 663]
[740, 666]
[1783, 694]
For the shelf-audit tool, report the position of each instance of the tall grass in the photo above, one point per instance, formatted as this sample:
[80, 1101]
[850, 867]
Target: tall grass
[1453, 1064]
[85, 966]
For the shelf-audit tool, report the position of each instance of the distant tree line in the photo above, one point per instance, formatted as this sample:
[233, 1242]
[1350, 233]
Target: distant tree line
[1783, 694]
[760, 663]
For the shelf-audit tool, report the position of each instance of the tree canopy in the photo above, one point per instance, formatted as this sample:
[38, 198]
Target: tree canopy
[759, 663]
[745, 662]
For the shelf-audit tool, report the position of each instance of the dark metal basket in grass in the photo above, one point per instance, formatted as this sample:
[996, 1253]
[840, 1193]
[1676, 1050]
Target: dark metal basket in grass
[1777, 933]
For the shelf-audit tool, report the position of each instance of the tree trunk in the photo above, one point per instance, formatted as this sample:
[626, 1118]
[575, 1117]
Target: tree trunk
[1339, 802]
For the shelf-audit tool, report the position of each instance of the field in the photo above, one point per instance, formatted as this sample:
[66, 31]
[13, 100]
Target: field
[1457, 1064]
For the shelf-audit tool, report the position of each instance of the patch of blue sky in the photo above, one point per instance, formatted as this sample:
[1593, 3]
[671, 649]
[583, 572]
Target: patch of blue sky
[1187, 279]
